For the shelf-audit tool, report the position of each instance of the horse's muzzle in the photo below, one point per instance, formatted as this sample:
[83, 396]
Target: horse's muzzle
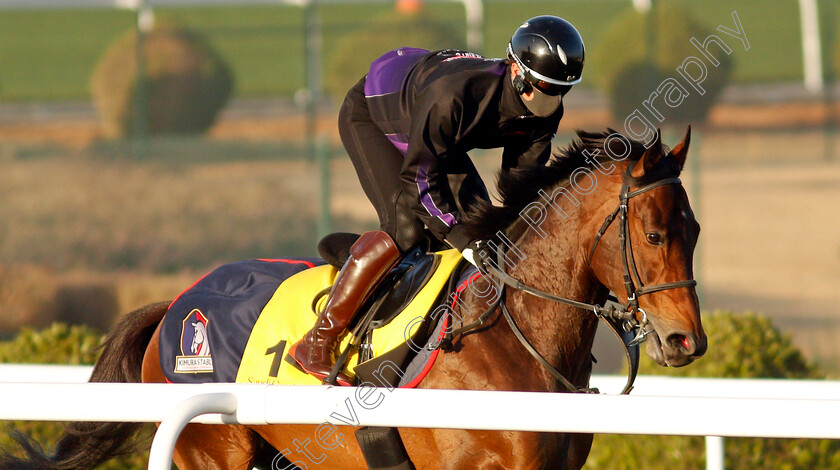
[678, 349]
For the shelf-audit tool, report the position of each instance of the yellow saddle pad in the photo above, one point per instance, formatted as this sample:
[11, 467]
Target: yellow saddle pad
[288, 315]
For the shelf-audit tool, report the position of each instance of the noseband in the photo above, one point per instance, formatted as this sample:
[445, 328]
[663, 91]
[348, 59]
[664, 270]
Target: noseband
[612, 315]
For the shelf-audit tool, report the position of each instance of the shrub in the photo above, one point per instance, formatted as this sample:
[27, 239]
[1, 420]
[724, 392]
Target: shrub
[834, 73]
[35, 296]
[57, 344]
[27, 297]
[623, 48]
[745, 345]
[740, 346]
[186, 83]
[631, 87]
[351, 59]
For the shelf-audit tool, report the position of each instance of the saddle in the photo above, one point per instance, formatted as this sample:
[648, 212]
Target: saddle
[236, 323]
[396, 290]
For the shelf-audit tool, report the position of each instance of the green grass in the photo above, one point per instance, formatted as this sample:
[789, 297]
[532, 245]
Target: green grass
[49, 55]
[772, 31]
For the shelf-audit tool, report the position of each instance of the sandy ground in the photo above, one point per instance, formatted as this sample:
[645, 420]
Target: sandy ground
[81, 129]
[771, 243]
[767, 198]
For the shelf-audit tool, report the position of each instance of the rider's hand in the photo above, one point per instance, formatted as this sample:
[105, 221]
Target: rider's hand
[479, 254]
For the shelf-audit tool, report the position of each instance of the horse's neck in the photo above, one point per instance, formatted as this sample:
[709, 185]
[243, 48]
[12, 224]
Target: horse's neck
[563, 334]
[554, 264]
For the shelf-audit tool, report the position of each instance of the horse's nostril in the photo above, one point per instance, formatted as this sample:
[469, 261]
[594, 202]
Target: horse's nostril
[681, 342]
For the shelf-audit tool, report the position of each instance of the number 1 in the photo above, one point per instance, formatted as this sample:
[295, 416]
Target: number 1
[277, 350]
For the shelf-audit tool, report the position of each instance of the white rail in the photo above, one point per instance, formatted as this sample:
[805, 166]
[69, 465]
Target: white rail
[43, 373]
[465, 409]
[720, 407]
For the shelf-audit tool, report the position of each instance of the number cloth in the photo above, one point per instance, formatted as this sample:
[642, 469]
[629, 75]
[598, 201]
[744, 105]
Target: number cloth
[236, 324]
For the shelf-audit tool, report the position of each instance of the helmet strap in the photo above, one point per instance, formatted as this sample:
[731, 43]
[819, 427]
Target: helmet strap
[520, 85]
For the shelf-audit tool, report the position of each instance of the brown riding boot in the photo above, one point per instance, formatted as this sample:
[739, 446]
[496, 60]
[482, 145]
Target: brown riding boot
[371, 257]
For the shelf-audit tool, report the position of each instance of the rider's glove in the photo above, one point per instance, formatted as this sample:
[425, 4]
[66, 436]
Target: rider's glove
[479, 254]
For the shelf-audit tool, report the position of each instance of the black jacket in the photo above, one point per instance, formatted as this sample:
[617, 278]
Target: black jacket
[435, 107]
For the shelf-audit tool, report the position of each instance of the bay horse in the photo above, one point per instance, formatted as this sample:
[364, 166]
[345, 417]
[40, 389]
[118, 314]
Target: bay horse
[561, 219]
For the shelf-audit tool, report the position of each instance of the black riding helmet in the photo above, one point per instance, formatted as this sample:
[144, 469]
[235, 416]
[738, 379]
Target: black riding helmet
[550, 52]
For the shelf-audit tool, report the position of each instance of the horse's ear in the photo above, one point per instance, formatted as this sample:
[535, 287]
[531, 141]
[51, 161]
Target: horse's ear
[650, 157]
[681, 150]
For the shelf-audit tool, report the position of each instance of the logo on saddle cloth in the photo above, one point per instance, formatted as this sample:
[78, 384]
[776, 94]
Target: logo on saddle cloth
[288, 316]
[195, 345]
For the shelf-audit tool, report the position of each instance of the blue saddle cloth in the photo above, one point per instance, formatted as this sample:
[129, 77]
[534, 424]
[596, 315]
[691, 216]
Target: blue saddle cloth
[206, 329]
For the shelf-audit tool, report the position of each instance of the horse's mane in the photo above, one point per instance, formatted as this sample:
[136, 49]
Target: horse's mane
[519, 187]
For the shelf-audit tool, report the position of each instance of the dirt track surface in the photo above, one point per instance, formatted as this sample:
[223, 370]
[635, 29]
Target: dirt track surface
[767, 200]
[771, 243]
[80, 130]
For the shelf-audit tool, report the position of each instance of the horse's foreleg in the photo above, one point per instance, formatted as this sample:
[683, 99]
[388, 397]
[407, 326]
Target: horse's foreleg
[579, 447]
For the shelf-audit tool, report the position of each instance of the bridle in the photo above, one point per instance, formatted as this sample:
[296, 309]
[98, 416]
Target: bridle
[617, 317]
[633, 285]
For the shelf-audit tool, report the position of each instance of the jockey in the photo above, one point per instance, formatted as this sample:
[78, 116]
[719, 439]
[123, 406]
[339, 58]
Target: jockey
[407, 126]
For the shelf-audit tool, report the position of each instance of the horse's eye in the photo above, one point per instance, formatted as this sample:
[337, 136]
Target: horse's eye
[653, 238]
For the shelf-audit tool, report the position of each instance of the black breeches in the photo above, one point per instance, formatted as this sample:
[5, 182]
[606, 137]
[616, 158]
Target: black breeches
[378, 164]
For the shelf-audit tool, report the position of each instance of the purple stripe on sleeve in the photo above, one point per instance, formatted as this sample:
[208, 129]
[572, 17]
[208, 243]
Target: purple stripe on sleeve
[400, 141]
[387, 72]
[422, 180]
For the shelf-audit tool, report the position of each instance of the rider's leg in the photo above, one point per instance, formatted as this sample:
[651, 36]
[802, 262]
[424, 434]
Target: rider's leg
[378, 164]
[371, 257]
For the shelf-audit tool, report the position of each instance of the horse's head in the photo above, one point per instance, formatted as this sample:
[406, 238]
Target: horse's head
[648, 257]
[199, 335]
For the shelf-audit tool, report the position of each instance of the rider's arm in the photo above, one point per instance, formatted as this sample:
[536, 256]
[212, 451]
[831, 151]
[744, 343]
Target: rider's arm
[534, 149]
[434, 129]
[527, 154]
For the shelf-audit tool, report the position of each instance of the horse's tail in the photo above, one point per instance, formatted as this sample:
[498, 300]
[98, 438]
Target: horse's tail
[85, 445]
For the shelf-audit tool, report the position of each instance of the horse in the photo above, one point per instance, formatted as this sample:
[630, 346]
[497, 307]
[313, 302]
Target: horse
[199, 346]
[569, 240]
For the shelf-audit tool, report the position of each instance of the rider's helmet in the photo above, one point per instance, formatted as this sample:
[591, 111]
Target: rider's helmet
[549, 52]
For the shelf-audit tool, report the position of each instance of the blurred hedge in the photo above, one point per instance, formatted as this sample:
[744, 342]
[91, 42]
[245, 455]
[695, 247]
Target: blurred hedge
[350, 60]
[36, 296]
[27, 296]
[185, 83]
[740, 346]
[639, 50]
[58, 344]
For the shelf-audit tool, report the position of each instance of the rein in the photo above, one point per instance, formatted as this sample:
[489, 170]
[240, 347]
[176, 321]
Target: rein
[625, 316]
